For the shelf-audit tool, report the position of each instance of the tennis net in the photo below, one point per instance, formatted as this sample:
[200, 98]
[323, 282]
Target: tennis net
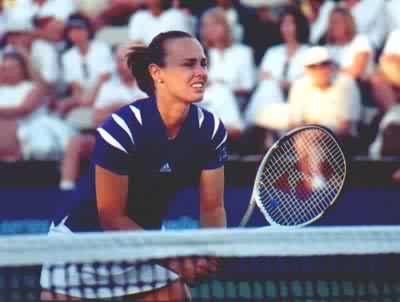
[308, 264]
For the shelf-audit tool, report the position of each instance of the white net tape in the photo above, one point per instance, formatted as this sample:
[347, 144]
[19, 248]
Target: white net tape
[141, 245]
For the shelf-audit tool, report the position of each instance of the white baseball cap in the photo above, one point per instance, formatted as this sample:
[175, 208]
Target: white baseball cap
[316, 55]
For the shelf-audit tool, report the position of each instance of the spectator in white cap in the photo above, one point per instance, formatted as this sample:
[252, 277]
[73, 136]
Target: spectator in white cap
[326, 97]
[18, 32]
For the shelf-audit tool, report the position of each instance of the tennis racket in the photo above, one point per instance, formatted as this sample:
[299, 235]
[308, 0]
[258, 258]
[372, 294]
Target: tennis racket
[299, 178]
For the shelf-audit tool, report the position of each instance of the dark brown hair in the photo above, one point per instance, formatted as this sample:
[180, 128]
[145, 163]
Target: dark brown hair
[349, 22]
[301, 23]
[140, 57]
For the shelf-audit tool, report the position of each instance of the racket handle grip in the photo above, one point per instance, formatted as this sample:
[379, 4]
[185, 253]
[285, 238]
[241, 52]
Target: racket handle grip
[247, 214]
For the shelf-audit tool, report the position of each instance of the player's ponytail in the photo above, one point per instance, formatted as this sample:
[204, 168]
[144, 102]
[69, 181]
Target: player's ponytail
[138, 62]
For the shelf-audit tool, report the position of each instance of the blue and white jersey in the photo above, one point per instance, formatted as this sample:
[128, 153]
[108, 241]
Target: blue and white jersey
[133, 141]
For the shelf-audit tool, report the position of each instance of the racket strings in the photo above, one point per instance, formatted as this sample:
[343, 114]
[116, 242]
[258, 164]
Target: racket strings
[289, 190]
[277, 168]
[295, 176]
[284, 160]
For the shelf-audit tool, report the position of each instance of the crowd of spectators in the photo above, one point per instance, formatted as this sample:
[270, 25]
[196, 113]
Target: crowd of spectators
[273, 65]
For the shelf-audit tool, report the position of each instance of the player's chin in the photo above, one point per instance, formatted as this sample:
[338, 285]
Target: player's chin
[195, 97]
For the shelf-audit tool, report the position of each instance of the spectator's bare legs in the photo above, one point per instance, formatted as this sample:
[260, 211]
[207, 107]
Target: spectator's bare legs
[396, 176]
[9, 145]
[79, 148]
[384, 95]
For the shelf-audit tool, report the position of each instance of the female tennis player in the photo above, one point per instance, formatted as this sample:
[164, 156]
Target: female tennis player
[145, 153]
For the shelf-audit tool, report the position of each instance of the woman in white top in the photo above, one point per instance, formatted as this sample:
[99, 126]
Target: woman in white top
[230, 63]
[370, 19]
[19, 96]
[86, 66]
[27, 130]
[281, 65]
[351, 51]
[232, 15]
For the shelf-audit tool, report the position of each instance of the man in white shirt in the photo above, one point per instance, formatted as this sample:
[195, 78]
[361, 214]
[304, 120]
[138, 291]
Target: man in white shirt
[325, 97]
[144, 25]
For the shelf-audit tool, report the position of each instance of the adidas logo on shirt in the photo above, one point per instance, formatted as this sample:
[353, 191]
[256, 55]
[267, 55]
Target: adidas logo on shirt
[166, 168]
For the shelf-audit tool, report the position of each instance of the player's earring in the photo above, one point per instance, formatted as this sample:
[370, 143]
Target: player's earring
[160, 81]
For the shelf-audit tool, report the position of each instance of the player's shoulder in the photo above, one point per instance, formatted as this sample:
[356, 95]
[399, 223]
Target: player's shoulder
[208, 121]
[204, 115]
[128, 116]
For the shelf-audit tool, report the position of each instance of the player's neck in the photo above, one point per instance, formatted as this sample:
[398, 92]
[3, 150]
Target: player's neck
[173, 116]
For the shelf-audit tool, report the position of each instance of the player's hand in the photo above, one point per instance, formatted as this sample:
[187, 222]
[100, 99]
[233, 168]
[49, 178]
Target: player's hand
[193, 269]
